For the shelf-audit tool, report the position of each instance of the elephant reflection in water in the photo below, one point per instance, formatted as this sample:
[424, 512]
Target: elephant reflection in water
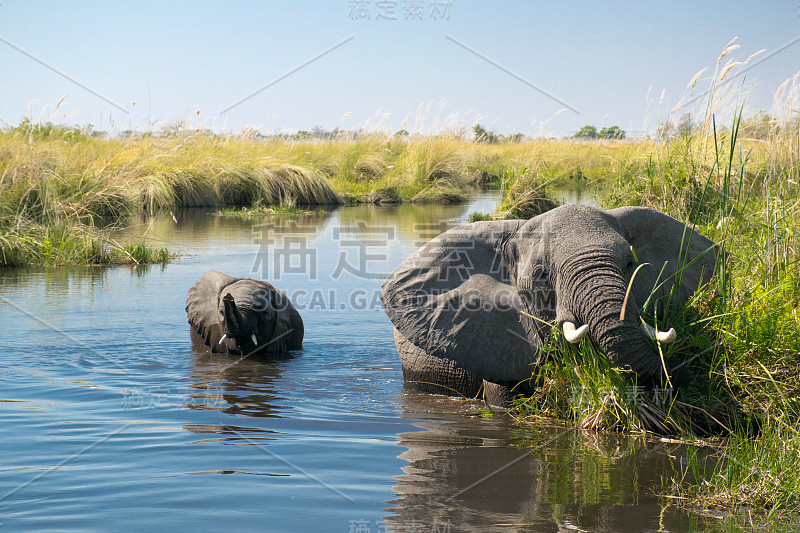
[245, 387]
[478, 473]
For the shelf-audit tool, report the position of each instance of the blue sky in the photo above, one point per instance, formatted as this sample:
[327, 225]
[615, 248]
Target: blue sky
[172, 59]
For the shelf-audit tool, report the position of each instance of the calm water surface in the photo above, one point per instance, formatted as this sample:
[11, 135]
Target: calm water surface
[113, 420]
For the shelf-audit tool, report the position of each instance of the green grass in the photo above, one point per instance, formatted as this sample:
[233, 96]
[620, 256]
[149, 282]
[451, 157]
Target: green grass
[27, 242]
[740, 334]
[477, 216]
[578, 384]
[757, 473]
[199, 169]
[288, 208]
[63, 177]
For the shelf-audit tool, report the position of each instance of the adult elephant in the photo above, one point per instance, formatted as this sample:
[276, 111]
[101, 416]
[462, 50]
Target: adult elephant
[473, 307]
[243, 315]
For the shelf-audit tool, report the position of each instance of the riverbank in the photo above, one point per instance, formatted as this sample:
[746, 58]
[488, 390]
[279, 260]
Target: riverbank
[60, 186]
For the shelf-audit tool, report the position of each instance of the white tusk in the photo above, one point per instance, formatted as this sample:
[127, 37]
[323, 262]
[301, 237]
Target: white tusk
[254, 339]
[575, 335]
[665, 337]
[224, 336]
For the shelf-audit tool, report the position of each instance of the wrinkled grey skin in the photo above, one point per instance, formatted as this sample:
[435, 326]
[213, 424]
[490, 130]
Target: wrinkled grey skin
[457, 304]
[238, 308]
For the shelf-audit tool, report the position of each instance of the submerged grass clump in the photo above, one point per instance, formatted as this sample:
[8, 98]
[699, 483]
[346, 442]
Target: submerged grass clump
[755, 472]
[287, 208]
[69, 243]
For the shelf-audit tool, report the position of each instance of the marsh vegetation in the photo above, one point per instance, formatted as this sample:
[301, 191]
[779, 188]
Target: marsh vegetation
[61, 189]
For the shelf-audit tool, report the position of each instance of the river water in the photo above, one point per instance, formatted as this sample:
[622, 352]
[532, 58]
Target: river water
[113, 420]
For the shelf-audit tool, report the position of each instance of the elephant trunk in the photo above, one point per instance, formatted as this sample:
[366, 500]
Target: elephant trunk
[234, 322]
[595, 290]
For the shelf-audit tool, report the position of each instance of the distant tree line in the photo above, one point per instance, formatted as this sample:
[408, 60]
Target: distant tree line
[482, 135]
[590, 132]
[762, 125]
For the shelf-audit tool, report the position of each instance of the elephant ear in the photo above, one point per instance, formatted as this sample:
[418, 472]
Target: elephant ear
[288, 313]
[453, 299]
[202, 305]
[688, 259]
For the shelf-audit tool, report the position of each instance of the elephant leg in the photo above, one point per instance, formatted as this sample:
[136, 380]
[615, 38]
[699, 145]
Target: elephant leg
[435, 375]
[499, 394]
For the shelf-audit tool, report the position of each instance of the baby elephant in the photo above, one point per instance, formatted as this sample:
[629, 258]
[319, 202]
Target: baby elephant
[243, 315]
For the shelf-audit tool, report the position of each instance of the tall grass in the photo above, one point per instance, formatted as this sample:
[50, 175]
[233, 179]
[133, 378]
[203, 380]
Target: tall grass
[59, 187]
[62, 177]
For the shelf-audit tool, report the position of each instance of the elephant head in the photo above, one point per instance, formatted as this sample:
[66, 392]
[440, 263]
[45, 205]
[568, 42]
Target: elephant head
[466, 298]
[243, 315]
